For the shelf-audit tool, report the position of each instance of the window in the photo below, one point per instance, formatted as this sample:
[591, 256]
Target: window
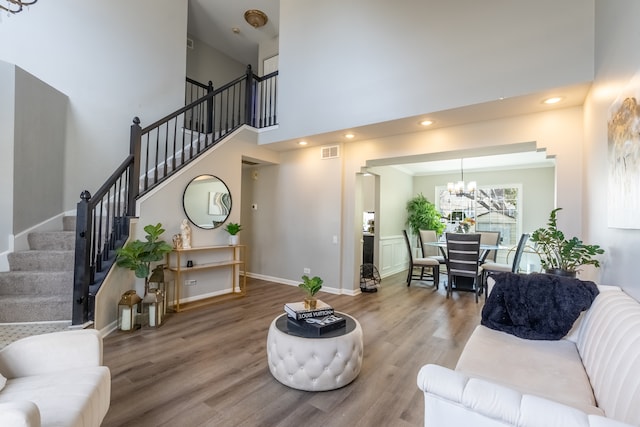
[495, 208]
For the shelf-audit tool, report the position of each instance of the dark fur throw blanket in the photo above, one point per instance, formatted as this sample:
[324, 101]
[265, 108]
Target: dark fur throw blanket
[536, 306]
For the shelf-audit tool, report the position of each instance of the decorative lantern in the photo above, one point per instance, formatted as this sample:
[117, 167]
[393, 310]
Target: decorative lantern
[154, 307]
[128, 311]
[157, 282]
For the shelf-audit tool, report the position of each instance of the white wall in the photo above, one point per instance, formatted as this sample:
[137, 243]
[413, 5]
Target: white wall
[205, 63]
[32, 136]
[267, 50]
[298, 215]
[617, 60]
[345, 64]
[7, 125]
[114, 60]
[39, 147]
[396, 188]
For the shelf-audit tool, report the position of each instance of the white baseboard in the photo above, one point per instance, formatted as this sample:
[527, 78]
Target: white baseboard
[328, 289]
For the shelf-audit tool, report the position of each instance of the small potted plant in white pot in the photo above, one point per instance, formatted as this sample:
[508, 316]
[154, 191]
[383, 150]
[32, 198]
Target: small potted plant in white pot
[233, 228]
[310, 286]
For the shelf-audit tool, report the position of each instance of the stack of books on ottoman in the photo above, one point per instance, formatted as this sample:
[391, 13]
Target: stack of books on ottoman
[312, 322]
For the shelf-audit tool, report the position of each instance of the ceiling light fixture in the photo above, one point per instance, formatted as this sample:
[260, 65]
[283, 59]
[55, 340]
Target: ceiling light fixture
[16, 6]
[256, 18]
[349, 135]
[553, 100]
[426, 122]
[458, 188]
[302, 143]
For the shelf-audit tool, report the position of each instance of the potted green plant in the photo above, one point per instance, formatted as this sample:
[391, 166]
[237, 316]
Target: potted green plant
[233, 228]
[423, 215]
[559, 255]
[138, 255]
[310, 286]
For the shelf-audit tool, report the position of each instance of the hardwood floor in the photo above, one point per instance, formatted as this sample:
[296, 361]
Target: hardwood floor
[208, 366]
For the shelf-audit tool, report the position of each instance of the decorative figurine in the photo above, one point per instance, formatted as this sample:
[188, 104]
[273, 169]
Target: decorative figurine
[177, 241]
[185, 232]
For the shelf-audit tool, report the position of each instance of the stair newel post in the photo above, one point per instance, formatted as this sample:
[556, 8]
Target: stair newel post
[210, 107]
[249, 97]
[82, 269]
[135, 149]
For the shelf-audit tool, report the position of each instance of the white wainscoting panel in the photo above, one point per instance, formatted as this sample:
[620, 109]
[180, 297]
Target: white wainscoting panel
[393, 255]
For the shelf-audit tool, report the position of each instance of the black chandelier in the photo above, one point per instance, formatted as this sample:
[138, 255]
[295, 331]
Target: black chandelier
[15, 6]
[458, 188]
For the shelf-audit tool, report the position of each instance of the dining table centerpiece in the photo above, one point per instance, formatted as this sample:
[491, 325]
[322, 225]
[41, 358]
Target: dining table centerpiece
[466, 225]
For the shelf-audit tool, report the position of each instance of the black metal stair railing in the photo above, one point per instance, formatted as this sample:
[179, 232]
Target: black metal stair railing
[156, 153]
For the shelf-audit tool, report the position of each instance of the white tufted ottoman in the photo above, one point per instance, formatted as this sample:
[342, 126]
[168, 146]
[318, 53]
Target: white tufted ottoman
[315, 364]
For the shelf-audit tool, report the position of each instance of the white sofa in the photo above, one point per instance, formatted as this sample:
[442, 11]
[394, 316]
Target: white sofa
[54, 379]
[591, 377]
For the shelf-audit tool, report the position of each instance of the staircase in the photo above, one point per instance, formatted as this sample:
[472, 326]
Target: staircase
[39, 285]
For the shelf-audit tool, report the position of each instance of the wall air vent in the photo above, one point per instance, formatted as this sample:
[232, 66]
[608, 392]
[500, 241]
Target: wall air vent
[329, 152]
[190, 43]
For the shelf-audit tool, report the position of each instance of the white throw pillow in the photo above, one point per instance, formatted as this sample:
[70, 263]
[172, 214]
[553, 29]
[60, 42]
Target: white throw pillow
[3, 381]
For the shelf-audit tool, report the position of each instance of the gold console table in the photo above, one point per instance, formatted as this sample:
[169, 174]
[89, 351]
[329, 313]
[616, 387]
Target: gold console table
[176, 262]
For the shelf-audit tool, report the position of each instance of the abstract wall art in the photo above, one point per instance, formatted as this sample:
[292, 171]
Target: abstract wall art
[623, 128]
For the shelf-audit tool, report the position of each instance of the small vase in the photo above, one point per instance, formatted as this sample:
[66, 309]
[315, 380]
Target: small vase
[233, 239]
[310, 303]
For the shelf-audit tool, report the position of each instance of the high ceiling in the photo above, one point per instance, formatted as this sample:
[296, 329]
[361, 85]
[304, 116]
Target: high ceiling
[214, 21]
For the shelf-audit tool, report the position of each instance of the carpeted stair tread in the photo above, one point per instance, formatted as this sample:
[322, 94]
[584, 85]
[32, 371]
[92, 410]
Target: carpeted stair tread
[69, 223]
[39, 285]
[49, 260]
[36, 283]
[52, 240]
[34, 309]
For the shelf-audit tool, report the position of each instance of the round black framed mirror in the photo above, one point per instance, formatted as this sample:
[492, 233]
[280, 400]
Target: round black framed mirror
[207, 201]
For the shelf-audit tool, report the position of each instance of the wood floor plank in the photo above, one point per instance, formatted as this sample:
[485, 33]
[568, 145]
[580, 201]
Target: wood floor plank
[207, 366]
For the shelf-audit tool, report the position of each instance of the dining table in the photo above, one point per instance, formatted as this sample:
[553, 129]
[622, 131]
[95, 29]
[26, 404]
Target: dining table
[484, 251]
[484, 248]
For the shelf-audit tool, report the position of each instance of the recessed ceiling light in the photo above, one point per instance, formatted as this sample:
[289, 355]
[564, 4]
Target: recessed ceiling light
[349, 135]
[302, 142]
[553, 100]
[426, 122]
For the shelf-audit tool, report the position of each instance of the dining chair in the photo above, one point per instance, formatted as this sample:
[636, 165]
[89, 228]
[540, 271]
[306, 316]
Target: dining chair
[489, 238]
[463, 261]
[428, 251]
[422, 264]
[492, 267]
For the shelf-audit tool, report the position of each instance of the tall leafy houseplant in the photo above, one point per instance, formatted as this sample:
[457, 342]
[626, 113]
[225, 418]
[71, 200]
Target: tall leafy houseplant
[138, 255]
[423, 215]
[559, 255]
